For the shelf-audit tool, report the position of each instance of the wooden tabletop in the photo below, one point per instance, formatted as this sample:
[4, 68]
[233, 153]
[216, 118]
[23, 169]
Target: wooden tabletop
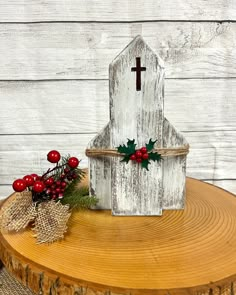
[183, 252]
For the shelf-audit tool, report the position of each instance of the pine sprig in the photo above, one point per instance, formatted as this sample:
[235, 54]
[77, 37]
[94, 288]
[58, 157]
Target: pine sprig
[77, 201]
[78, 198]
[64, 164]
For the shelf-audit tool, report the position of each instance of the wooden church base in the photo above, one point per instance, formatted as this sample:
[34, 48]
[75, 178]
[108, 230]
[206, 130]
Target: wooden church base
[183, 252]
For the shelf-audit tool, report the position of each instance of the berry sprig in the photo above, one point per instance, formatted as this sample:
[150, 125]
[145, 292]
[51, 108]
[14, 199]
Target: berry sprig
[53, 183]
[142, 155]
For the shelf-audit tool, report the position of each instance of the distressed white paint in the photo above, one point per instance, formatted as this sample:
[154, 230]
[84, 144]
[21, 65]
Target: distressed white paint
[212, 154]
[100, 170]
[174, 170]
[83, 106]
[212, 139]
[138, 115]
[84, 50]
[113, 11]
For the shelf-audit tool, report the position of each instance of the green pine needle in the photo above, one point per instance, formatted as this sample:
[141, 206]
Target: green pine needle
[78, 198]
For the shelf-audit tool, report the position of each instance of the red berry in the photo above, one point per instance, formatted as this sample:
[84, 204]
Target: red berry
[38, 186]
[58, 190]
[145, 156]
[38, 178]
[19, 185]
[74, 176]
[138, 154]
[60, 196]
[63, 184]
[34, 176]
[53, 156]
[139, 160]
[49, 181]
[132, 157]
[54, 197]
[29, 179]
[66, 170]
[73, 162]
[63, 176]
[58, 183]
[143, 150]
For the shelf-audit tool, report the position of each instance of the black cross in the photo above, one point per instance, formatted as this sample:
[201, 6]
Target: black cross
[138, 69]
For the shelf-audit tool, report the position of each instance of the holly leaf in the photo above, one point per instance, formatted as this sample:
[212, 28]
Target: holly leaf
[154, 157]
[122, 149]
[129, 149]
[131, 144]
[126, 159]
[145, 164]
[150, 145]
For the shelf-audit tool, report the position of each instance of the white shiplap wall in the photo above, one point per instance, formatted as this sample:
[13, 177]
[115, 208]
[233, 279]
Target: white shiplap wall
[54, 58]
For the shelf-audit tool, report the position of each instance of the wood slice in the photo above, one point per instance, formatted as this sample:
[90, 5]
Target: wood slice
[189, 251]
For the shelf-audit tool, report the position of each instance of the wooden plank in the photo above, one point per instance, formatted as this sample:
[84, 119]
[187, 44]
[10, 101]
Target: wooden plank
[211, 163]
[100, 170]
[110, 10]
[212, 154]
[136, 112]
[21, 155]
[84, 50]
[136, 102]
[53, 107]
[174, 169]
[83, 106]
[78, 142]
[229, 185]
[5, 191]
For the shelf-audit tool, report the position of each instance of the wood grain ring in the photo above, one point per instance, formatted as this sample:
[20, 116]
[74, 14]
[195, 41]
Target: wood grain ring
[183, 252]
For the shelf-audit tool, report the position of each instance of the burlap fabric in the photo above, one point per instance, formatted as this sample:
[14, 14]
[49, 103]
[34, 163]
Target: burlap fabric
[17, 214]
[50, 217]
[51, 220]
[10, 286]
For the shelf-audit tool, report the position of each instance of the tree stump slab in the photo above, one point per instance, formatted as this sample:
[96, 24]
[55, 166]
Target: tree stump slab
[181, 252]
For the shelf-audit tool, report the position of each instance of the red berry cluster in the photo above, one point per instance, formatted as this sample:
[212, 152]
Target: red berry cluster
[140, 155]
[50, 185]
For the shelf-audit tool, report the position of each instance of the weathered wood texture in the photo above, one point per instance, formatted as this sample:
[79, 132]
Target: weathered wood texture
[83, 106]
[84, 50]
[174, 169]
[82, 110]
[100, 170]
[136, 115]
[121, 256]
[214, 150]
[113, 11]
[136, 112]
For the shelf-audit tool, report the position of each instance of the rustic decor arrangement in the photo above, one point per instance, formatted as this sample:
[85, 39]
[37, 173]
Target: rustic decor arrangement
[46, 201]
[136, 78]
[184, 252]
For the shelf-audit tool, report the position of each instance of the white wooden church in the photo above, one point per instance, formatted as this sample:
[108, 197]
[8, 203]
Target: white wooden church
[136, 86]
